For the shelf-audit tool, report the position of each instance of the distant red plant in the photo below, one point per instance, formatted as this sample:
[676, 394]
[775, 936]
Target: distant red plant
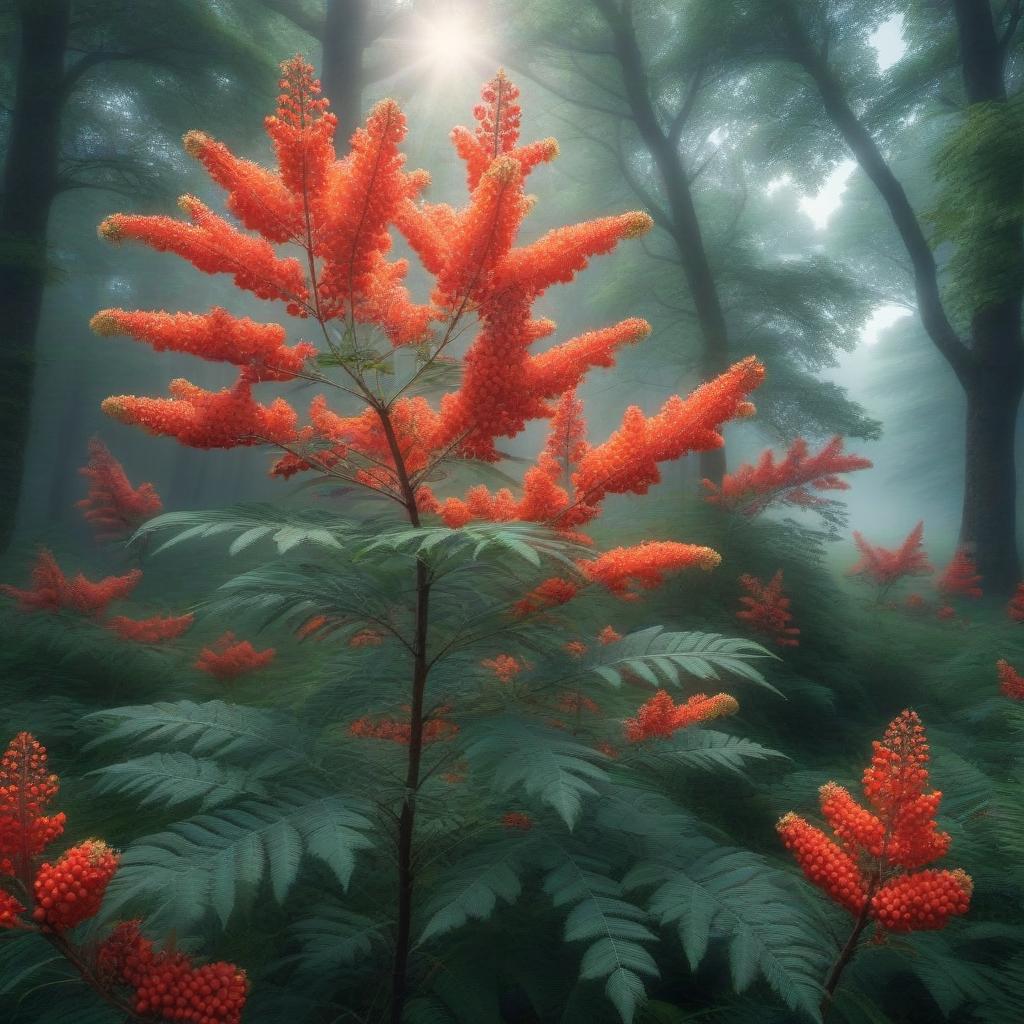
[153, 630]
[1011, 682]
[436, 727]
[514, 820]
[608, 635]
[123, 968]
[1015, 609]
[573, 703]
[945, 612]
[766, 609]
[960, 578]
[915, 603]
[884, 567]
[230, 658]
[868, 869]
[113, 507]
[660, 716]
[366, 638]
[504, 667]
[575, 648]
[791, 481]
[52, 591]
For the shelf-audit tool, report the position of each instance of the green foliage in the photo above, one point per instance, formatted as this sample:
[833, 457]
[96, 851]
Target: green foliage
[659, 657]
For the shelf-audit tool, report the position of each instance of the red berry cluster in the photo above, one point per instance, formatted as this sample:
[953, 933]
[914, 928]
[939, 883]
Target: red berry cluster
[866, 869]
[26, 787]
[71, 891]
[167, 985]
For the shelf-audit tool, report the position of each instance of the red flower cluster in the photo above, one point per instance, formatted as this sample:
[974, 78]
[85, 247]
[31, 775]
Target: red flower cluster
[645, 565]
[26, 787]
[519, 822]
[790, 481]
[960, 578]
[608, 635]
[884, 567]
[869, 869]
[71, 890]
[52, 591]
[342, 212]
[1011, 682]
[504, 667]
[166, 984]
[766, 609]
[394, 730]
[154, 630]
[113, 507]
[230, 658]
[573, 703]
[660, 717]
[366, 638]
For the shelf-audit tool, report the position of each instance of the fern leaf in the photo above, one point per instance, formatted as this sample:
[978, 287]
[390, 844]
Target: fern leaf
[473, 886]
[707, 750]
[660, 657]
[705, 889]
[170, 780]
[544, 763]
[216, 861]
[252, 523]
[213, 729]
[614, 927]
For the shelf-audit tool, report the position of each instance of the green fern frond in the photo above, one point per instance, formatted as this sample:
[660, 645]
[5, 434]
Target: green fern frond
[334, 938]
[704, 890]
[543, 762]
[526, 541]
[660, 657]
[472, 886]
[251, 523]
[217, 861]
[613, 927]
[170, 780]
[212, 729]
[706, 750]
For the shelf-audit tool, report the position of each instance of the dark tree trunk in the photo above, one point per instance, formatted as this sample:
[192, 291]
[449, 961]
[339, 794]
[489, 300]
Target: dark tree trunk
[344, 40]
[29, 186]
[989, 524]
[988, 528]
[991, 370]
[684, 224]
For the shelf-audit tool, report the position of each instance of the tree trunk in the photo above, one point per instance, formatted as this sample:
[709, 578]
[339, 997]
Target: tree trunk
[343, 42]
[685, 224]
[29, 186]
[988, 528]
[989, 524]
[991, 370]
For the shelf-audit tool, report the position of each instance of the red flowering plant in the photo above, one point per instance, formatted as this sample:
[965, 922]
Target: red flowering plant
[765, 608]
[430, 593]
[801, 479]
[113, 507]
[875, 867]
[50, 899]
[885, 568]
[53, 592]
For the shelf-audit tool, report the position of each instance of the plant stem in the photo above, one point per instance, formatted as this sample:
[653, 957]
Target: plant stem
[846, 954]
[407, 819]
[420, 671]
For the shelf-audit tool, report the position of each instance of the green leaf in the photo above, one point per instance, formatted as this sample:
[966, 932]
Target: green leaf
[170, 780]
[471, 888]
[664, 658]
